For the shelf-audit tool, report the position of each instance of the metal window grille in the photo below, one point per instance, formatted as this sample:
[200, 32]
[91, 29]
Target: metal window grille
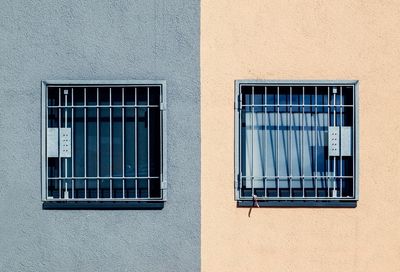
[103, 141]
[296, 140]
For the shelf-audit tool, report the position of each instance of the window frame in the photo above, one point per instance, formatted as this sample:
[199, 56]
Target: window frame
[112, 202]
[352, 202]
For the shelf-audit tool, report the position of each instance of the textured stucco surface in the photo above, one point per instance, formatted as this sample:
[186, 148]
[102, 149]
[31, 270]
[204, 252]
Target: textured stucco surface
[98, 40]
[282, 39]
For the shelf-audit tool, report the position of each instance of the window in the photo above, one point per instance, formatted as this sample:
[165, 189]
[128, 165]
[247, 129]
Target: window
[296, 143]
[103, 142]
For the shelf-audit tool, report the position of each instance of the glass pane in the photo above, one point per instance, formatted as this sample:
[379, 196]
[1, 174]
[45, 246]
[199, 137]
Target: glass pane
[271, 122]
[283, 143]
[130, 191]
[104, 188]
[117, 142]
[78, 96]
[130, 142]
[155, 189]
[155, 147]
[308, 141]
[296, 140]
[154, 94]
[284, 95]
[259, 142]
[79, 190]
[116, 96]
[78, 142]
[143, 189]
[309, 95]
[91, 96]
[141, 95]
[104, 96]
[129, 96]
[142, 142]
[91, 188]
[247, 95]
[117, 188]
[347, 93]
[259, 95]
[104, 142]
[53, 96]
[322, 95]
[91, 145]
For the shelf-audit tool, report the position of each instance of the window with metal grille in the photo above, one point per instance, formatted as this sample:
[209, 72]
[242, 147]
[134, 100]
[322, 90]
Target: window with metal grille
[296, 143]
[103, 141]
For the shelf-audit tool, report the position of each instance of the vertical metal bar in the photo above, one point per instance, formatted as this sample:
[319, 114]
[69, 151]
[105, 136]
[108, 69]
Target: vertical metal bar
[136, 152]
[59, 155]
[316, 142]
[334, 194]
[265, 142]
[354, 123]
[290, 142]
[85, 139]
[148, 142]
[45, 126]
[98, 142]
[123, 143]
[72, 144]
[111, 162]
[240, 181]
[65, 125]
[252, 141]
[340, 144]
[277, 143]
[328, 159]
[302, 144]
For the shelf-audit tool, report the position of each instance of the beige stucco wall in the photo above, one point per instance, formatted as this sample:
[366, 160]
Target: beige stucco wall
[278, 39]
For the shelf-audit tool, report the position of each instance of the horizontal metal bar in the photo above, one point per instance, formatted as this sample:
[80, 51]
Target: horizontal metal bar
[251, 82]
[56, 178]
[275, 177]
[104, 83]
[297, 198]
[289, 105]
[105, 106]
[102, 199]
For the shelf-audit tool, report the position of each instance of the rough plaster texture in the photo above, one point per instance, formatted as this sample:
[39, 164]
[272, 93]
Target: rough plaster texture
[282, 39]
[98, 40]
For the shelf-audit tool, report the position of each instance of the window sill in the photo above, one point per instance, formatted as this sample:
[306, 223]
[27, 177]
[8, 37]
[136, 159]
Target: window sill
[103, 205]
[299, 204]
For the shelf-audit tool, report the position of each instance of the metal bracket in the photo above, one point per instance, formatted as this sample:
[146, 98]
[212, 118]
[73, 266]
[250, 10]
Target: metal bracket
[340, 141]
[65, 143]
[52, 142]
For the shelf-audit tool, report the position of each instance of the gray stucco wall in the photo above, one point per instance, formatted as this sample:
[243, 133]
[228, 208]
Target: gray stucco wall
[98, 40]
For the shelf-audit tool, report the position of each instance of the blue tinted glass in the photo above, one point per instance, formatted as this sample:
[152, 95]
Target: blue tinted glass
[78, 142]
[78, 96]
[104, 142]
[129, 142]
[141, 96]
[272, 97]
[117, 142]
[91, 144]
[53, 96]
[155, 146]
[142, 143]
[284, 95]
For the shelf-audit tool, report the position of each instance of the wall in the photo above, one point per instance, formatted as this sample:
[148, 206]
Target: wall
[282, 39]
[98, 40]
